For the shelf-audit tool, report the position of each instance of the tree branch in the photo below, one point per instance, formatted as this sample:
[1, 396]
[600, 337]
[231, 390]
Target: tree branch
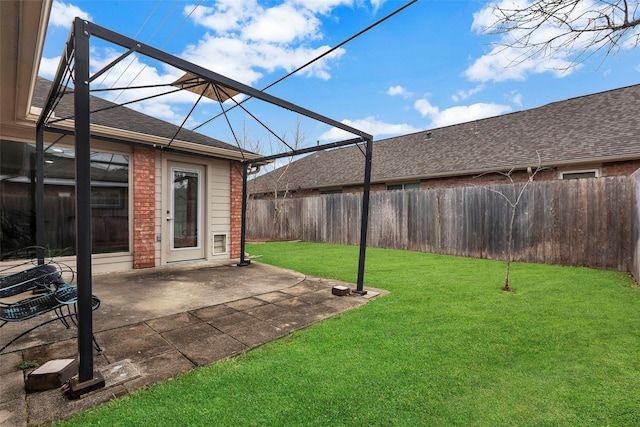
[573, 30]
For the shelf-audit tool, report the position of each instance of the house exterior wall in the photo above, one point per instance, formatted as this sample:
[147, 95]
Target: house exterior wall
[623, 168]
[236, 208]
[620, 168]
[146, 219]
[158, 208]
[144, 207]
[219, 206]
[101, 262]
[217, 202]
[150, 192]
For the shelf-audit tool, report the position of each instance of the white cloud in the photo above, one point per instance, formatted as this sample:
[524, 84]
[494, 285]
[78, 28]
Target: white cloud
[370, 125]
[244, 39]
[425, 108]
[632, 38]
[461, 95]
[503, 64]
[377, 4]
[516, 98]
[48, 67]
[398, 90]
[227, 56]
[458, 114]
[246, 62]
[62, 14]
[510, 61]
[282, 24]
[225, 15]
[133, 72]
[323, 7]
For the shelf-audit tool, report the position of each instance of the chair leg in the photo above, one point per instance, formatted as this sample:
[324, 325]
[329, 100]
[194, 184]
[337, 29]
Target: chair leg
[73, 317]
[26, 332]
[62, 317]
[96, 345]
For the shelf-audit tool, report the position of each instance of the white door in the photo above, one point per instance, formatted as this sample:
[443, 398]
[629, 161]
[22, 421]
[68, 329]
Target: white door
[185, 214]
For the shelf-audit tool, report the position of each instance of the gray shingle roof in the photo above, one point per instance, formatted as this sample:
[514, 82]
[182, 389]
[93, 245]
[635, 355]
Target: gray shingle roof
[124, 118]
[591, 128]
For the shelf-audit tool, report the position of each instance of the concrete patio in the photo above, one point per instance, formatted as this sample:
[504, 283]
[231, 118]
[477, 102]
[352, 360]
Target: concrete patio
[155, 324]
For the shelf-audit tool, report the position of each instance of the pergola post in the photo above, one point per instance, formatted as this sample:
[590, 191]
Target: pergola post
[88, 379]
[39, 165]
[365, 217]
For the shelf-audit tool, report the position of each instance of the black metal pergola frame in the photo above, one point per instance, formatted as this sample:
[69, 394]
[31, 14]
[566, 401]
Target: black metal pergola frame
[74, 63]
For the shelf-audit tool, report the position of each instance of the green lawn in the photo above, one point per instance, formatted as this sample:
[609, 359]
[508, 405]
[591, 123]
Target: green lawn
[445, 347]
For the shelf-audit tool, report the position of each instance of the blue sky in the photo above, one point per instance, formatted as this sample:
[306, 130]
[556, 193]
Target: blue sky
[427, 67]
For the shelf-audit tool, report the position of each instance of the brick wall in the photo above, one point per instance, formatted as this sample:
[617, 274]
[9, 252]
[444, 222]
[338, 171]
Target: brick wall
[236, 208]
[620, 168]
[607, 169]
[143, 208]
[490, 178]
[464, 180]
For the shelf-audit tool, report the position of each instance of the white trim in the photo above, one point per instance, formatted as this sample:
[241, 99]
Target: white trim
[579, 171]
[199, 174]
[213, 243]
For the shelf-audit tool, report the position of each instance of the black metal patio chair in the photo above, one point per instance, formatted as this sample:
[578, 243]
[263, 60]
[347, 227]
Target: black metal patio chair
[38, 278]
[49, 293]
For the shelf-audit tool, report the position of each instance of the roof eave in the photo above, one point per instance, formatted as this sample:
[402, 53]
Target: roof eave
[30, 54]
[480, 171]
[152, 140]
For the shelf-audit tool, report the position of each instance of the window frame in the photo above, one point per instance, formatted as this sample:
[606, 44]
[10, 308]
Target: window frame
[564, 174]
[403, 186]
[104, 194]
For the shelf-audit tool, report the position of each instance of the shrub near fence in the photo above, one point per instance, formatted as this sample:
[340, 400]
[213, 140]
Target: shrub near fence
[584, 222]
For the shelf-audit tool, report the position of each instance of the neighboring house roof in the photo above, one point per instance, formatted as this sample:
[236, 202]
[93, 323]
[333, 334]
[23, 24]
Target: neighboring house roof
[123, 118]
[593, 128]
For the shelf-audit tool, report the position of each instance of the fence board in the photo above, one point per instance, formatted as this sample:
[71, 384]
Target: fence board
[634, 189]
[588, 222]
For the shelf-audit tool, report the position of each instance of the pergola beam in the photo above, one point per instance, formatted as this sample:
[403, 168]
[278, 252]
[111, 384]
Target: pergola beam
[63, 65]
[306, 150]
[186, 66]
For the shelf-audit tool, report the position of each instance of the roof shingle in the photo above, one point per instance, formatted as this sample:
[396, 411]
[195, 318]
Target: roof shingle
[597, 127]
[125, 118]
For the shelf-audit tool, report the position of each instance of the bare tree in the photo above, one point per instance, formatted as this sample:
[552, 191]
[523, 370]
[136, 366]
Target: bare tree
[250, 143]
[281, 181]
[574, 29]
[513, 203]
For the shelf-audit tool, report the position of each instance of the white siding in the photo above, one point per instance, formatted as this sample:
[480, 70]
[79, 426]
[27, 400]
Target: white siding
[219, 205]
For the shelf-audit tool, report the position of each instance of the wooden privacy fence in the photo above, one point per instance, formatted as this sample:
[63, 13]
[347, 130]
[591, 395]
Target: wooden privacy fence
[586, 222]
